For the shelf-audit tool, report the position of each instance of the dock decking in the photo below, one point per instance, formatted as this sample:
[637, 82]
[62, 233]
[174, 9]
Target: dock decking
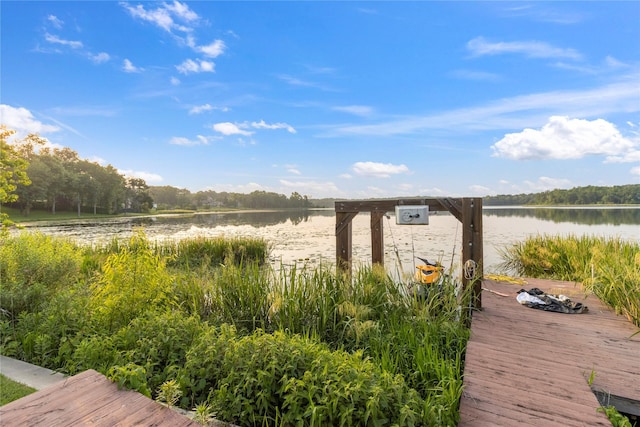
[89, 399]
[525, 366]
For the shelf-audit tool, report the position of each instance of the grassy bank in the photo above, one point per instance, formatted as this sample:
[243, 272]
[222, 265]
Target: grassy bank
[11, 390]
[210, 323]
[610, 268]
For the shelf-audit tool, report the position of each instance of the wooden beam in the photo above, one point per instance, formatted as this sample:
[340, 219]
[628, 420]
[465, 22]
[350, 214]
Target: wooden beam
[377, 238]
[387, 205]
[452, 205]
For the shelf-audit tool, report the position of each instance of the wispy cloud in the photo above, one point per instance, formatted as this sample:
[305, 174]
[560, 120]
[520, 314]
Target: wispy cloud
[55, 21]
[200, 140]
[198, 66]
[358, 110]
[517, 112]
[74, 44]
[378, 170]
[128, 67]
[475, 75]
[533, 49]
[263, 125]
[99, 58]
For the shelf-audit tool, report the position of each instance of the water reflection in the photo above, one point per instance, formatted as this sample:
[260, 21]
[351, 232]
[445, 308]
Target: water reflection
[588, 216]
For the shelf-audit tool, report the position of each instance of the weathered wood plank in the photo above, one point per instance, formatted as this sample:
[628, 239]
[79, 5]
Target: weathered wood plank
[89, 399]
[530, 367]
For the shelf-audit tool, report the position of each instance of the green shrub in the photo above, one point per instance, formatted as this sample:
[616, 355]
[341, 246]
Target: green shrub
[158, 341]
[278, 379]
[132, 281]
[33, 267]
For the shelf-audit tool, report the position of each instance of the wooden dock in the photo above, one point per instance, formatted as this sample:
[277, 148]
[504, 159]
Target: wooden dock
[528, 367]
[89, 399]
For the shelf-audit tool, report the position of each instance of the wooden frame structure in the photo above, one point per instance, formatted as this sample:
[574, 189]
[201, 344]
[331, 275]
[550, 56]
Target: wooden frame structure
[468, 210]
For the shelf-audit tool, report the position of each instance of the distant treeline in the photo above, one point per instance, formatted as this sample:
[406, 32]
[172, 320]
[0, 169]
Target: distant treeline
[589, 195]
[168, 197]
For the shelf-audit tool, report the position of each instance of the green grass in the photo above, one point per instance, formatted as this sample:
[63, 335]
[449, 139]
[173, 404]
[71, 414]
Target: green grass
[11, 390]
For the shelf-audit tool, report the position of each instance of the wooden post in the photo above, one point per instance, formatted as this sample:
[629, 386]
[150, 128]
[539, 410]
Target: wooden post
[377, 238]
[343, 240]
[472, 256]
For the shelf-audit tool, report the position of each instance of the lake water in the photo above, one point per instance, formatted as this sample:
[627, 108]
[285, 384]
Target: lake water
[309, 238]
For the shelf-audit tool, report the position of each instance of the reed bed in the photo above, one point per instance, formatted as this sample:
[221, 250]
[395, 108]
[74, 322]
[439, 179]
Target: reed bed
[608, 267]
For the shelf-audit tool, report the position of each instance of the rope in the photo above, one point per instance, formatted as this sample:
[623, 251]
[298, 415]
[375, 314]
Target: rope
[469, 270]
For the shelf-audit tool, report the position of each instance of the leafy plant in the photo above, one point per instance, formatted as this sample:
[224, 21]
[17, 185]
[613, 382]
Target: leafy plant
[169, 392]
[130, 376]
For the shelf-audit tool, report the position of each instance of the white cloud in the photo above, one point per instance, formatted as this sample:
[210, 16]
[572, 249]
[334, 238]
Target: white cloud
[635, 170]
[227, 128]
[563, 138]
[293, 169]
[263, 125]
[200, 140]
[175, 81]
[200, 108]
[149, 178]
[358, 110]
[197, 66]
[378, 170]
[545, 183]
[533, 49]
[182, 11]
[22, 121]
[100, 57]
[57, 40]
[128, 67]
[163, 16]
[55, 21]
[212, 50]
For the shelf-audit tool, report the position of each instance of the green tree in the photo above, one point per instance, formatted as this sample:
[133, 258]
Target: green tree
[13, 166]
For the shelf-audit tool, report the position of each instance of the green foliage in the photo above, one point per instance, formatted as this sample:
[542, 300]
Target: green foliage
[253, 344]
[159, 342]
[130, 376]
[11, 390]
[616, 418]
[169, 392]
[132, 281]
[256, 379]
[610, 268]
[589, 195]
[33, 267]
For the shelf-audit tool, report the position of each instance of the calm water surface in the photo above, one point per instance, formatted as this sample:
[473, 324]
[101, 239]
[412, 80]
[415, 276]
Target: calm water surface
[309, 238]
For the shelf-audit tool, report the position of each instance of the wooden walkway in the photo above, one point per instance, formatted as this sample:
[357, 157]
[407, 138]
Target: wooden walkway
[528, 367]
[89, 399]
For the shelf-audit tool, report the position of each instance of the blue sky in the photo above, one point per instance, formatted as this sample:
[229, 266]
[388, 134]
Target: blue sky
[333, 99]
